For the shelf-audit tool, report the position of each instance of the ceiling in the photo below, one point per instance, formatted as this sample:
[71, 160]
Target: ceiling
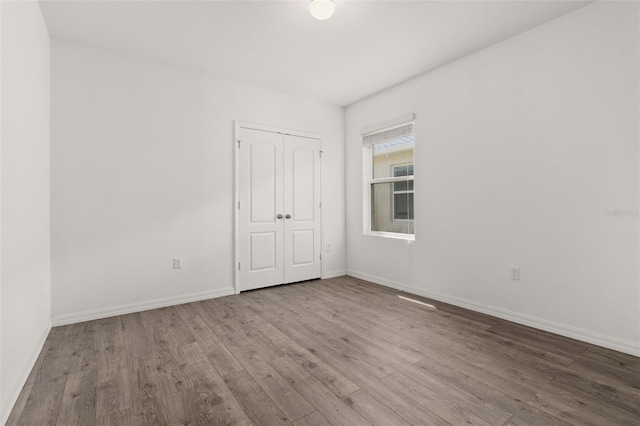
[365, 47]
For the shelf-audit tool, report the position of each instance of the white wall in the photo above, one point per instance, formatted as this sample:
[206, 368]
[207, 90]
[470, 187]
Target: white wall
[143, 171]
[24, 224]
[520, 150]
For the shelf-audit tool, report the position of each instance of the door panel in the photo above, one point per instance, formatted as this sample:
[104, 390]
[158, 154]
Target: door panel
[303, 247]
[302, 242]
[261, 200]
[263, 251]
[262, 188]
[303, 179]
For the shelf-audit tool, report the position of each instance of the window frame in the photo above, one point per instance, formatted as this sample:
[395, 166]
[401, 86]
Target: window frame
[394, 192]
[368, 182]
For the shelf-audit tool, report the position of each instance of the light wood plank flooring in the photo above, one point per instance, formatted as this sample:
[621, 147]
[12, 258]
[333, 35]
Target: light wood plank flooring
[340, 351]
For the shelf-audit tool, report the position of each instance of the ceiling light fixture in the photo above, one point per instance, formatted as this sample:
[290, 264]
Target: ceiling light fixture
[322, 9]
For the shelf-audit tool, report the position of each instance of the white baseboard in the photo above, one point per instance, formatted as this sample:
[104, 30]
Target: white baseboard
[377, 280]
[334, 274]
[139, 306]
[14, 393]
[610, 342]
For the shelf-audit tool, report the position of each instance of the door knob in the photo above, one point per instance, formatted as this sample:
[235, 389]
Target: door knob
[279, 216]
[288, 216]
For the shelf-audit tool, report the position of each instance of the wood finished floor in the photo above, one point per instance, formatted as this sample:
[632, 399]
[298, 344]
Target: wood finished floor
[340, 351]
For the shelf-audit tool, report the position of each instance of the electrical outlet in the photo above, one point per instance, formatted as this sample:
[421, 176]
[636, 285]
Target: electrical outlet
[177, 263]
[515, 273]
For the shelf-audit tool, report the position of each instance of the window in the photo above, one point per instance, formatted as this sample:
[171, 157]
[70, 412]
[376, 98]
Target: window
[388, 175]
[403, 193]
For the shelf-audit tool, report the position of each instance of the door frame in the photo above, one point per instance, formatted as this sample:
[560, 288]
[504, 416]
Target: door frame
[236, 199]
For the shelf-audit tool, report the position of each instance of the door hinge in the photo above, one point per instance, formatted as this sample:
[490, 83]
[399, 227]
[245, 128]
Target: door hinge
[321, 152]
[320, 256]
[238, 266]
[238, 143]
[320, 205]
[238, 204]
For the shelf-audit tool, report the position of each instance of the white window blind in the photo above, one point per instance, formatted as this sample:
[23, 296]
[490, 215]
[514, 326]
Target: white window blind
[388, 135]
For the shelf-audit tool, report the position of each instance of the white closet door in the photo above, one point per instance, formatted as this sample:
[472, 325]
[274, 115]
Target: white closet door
[280, 216]
[302, 238]
[261, 201]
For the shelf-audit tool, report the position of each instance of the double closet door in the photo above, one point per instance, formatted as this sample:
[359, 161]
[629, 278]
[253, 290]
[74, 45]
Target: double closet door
[279, 210]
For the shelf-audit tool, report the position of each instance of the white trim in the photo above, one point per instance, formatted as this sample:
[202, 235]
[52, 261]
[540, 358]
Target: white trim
[323, 255]
[376, 280]
[14, 393]
[236, 226]
[392, 179]
[3, 412]
[389, 124]
[367, 176]
[139, 306]
[236, 208]
[392, 235]
[273, 129]
[334, 274]
[610, 342]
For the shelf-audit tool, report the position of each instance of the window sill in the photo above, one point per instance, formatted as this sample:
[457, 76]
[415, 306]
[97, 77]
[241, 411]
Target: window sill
[392, 235]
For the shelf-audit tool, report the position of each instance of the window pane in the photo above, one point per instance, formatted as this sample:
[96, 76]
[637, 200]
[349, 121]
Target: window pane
[387, 156]
[403, 170]
[403, 186]
[391, 212]
[403, 206]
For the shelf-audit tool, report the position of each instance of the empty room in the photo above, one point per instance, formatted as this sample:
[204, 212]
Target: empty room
[319, 212]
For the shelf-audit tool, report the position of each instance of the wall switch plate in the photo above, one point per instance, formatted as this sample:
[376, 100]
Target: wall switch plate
[514, 273]
[177, 263]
